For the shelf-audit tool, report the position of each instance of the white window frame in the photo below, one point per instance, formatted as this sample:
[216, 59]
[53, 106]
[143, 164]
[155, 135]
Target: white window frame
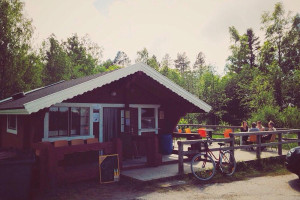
[100, 107]
[68, 138]
[9, 130]
[139, 107]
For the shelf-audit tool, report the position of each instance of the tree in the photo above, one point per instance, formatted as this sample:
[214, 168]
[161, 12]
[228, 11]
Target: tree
[239, 49]
[166, 61]
[152, 62]
[142, 56]
[58, 64]
[166, 64]
[16, 58]
[253, 45]
[182, 62]
[122, 59]
[276, 25]
[200, 62]
[83, 55]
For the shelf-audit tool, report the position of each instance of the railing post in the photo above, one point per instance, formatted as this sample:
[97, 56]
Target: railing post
[279, 144]
[298, 138]
[231, 143]
[180, 157]
[258, 148]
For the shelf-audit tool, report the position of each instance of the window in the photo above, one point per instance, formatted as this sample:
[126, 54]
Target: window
[69, 121]
[147, 118]
[12, 124]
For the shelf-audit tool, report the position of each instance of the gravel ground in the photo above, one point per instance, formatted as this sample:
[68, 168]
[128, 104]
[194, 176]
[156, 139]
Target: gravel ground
[286, 187]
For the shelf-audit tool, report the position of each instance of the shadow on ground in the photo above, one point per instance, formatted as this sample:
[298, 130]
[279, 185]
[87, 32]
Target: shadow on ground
[295, 184]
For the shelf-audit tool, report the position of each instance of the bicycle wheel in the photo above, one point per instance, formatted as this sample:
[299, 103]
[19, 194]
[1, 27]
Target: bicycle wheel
[227, 163]
[203, 167]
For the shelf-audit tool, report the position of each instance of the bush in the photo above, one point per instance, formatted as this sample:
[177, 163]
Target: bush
[291, 117]
[266, 114]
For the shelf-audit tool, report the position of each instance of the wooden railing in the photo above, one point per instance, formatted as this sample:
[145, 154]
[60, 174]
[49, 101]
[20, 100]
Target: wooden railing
[52, 169]
[232, 146]
[259, 143]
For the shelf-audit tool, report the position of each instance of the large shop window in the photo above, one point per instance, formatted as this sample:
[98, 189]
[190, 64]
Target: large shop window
[148, 118]
[12, 124]
[69, 121]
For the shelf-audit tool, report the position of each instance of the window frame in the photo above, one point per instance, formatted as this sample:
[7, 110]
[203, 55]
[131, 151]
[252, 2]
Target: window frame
[9, 129]
[69, 137]
[148, 117]
[139, 107]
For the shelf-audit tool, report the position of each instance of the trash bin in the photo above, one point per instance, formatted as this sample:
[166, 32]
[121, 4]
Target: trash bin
[15, 174]
[166, 144]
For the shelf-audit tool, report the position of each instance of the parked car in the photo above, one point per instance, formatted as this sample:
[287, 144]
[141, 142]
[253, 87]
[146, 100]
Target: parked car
[292, 161]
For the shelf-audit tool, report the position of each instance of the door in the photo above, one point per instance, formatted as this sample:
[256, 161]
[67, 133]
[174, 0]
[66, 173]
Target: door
[111, 123]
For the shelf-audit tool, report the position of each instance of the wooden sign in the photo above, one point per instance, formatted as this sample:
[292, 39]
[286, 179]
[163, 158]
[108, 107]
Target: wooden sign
[109, 168]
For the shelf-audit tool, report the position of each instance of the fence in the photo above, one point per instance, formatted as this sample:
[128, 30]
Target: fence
[231, 140]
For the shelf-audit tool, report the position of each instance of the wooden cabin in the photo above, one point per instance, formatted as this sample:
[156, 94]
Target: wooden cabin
[70, 123]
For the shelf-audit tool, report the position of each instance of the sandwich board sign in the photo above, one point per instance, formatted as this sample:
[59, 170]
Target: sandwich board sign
[109, 168]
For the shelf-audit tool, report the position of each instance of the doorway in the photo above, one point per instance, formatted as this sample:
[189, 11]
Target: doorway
[111, 123]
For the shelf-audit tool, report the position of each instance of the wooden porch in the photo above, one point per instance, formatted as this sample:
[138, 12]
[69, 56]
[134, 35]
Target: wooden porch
[166, 171]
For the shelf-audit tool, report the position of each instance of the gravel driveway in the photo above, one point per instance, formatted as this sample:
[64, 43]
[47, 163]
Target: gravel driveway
[286, 187]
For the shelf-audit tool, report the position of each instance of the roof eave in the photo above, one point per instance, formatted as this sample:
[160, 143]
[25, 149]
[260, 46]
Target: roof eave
[21, 111]
[57, 97]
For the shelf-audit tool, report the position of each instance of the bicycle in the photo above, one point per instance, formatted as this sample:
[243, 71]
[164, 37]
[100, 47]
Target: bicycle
[203, 166]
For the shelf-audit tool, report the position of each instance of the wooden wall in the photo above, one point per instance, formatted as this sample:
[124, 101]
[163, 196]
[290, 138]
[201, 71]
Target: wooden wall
[134, 89]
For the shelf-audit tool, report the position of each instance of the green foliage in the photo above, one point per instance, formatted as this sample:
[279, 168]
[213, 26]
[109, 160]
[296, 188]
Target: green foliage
[291, 117]
[183, 121]
[143, 56]
[266, 114]
[182, 63]
[17, 60]
[84, 55]
[58, 63]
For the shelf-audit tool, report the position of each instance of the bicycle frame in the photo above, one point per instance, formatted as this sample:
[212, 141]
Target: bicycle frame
[226, 163]
[211, 154]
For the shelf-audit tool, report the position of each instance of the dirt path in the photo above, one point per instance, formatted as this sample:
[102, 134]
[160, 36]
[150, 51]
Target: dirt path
[285, 187]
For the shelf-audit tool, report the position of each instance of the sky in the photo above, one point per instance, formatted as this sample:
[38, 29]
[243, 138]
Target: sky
[161, 26]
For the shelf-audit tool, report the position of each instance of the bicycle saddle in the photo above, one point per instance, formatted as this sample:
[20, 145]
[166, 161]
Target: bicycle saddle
[221, 144]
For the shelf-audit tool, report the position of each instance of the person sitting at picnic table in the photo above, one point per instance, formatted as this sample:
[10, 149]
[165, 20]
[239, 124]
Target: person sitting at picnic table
[268, 136]
[244, 128]
[253, 127]
[259, 126]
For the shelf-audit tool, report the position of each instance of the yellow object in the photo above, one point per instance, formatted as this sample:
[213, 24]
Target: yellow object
[187, 130]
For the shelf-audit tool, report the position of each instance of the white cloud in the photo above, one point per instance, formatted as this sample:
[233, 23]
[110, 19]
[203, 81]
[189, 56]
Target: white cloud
[164, 26]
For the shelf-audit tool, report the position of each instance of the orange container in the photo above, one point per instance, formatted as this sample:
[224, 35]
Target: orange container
[187, 130]
[226, 133]
[202, 132]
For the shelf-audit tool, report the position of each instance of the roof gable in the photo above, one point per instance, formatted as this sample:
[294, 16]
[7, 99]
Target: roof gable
[69, 89]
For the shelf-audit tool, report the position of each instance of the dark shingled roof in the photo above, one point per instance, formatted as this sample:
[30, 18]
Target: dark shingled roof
[44, 91]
